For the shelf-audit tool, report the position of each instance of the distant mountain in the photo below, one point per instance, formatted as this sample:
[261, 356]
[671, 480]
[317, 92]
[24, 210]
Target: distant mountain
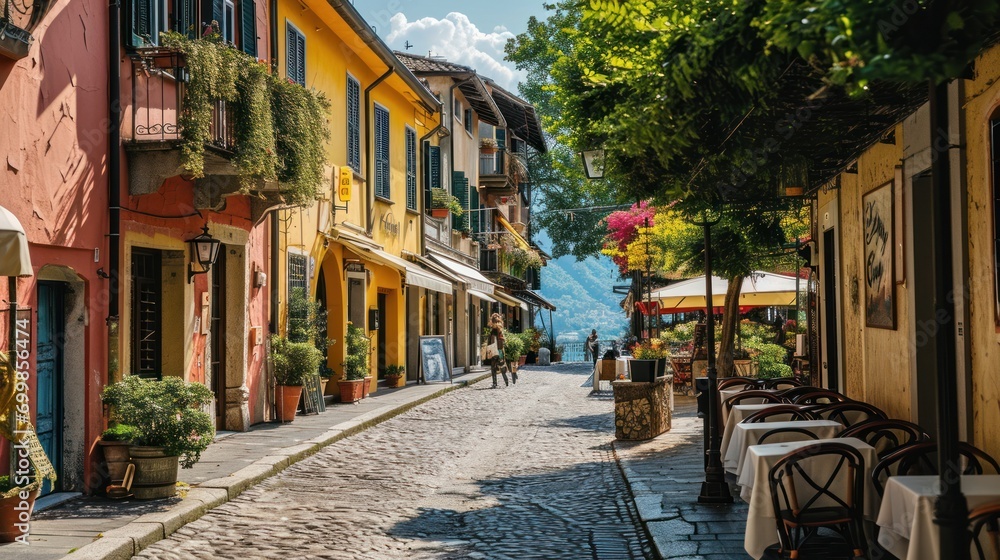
[582, 294]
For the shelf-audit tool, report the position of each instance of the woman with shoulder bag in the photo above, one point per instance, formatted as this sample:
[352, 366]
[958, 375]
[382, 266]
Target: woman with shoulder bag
[498, 364]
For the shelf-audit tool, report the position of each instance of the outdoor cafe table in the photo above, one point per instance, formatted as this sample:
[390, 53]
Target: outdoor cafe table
[755, 490]
[906, 519]
[726, 393]
[737, 415]
[745, 435]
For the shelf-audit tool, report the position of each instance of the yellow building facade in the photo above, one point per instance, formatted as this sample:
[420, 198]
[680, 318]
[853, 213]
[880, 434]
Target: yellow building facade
[347, 250]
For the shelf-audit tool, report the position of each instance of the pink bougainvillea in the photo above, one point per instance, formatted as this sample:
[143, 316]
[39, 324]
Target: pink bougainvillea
[623, 227]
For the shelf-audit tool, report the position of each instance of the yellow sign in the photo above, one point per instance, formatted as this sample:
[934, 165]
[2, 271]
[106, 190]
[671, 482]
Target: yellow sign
[346, 177]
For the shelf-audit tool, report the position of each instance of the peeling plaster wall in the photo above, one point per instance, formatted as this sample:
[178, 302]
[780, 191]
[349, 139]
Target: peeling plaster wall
[53, 177]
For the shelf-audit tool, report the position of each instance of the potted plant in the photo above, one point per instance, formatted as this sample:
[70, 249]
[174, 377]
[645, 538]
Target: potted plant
[115, 442]
[171, 428]
[512, 347]
[533, 343]
[15, 500]
[356, 366]
[488, 145]
[294, 363]
[394, 374]
[307, 320]
[649, 361]
[442, 203]
[557, 353]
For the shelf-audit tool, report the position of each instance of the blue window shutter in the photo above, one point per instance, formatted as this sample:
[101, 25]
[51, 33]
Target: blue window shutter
[434, 166]
[460, 190]
[300, 47]
[411, 169]
[140, 22]
[382, 152]
[248, 27]
[291, 53]
[354, 124]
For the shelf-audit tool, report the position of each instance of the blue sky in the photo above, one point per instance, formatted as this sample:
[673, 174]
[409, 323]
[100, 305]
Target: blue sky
[469, 33]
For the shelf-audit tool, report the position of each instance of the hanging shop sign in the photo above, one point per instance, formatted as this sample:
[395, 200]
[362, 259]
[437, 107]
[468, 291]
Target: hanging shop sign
[344, 185]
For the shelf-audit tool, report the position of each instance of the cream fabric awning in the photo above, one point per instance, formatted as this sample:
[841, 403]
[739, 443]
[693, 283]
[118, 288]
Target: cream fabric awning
[413, 274]
[14, 256]
[502, 297]
[471, 276]
[760, 289]
[481, 295]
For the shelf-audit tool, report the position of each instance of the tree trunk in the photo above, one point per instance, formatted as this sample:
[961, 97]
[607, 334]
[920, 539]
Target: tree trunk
[730, 324]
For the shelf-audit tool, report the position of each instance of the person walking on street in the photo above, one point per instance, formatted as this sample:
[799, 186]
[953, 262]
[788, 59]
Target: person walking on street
[499, 364]
[593, 346]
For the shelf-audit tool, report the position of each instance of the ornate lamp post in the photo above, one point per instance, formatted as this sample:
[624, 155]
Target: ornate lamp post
[715, 489]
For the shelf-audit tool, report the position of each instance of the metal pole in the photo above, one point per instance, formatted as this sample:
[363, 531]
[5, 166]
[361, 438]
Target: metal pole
[715, 489]
[951, 509]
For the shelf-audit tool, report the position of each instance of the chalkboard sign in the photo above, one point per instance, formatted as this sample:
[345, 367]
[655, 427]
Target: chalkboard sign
[434, 360]
[312, 396]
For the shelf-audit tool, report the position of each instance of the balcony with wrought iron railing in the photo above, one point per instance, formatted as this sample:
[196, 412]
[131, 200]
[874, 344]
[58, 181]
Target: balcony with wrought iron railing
[501, 170]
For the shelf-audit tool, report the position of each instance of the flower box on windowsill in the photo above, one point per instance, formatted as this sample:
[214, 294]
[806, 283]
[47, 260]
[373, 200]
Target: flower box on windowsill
[439, 212]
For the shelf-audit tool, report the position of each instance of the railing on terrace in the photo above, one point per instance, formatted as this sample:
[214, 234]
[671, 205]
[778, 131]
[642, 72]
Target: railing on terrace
[159, 78]
[575, 351]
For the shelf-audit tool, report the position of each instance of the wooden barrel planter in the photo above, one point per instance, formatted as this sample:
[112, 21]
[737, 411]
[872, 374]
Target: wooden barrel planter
[155, 473]
[116, 458]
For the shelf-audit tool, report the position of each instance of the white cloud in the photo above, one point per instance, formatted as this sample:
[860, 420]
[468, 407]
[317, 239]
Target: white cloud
[460, 41]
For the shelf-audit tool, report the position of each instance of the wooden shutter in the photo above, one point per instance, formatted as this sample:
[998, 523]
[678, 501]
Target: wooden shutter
[411, 169]
[300, 47]
[291, 53]
[296, 56]
[212, 10]
[354, 124]
[382, 152]
[460, 189]
[248, 27]
[434, 167]
[476, 218]
[140, 22]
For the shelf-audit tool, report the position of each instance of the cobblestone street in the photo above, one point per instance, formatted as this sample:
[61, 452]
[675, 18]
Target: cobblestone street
[525, 471]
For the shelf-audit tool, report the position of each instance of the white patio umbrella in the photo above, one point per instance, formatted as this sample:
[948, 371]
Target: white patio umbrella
[14, 259]
[760, 289]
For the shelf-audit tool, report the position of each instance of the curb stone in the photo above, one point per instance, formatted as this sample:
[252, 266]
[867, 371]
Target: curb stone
[126, 541]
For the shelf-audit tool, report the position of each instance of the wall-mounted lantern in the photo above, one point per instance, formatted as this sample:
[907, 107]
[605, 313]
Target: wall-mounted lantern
[593, 163]
[204, 249]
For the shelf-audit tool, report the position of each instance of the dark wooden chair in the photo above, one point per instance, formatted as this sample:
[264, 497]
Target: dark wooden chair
[850, 413]
[921, 459]
[782, 383]
[789, 394]
[886, 436]
[800, 434]
[818, 397]
[754, 396]
[803, 504]
[740, 382]
[986, 518]
[779, 413]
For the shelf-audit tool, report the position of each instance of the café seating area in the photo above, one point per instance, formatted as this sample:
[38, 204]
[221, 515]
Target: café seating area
[827, 476]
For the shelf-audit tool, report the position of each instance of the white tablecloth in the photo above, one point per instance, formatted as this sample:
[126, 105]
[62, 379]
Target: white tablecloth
[906, 519]
[745, 435]
[755, 490]
[736, 415]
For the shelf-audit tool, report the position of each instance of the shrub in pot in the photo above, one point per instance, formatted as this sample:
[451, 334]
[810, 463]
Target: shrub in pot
[294, 363]
[394, 373]
[513, 347]
[171, 428]
[356, 366]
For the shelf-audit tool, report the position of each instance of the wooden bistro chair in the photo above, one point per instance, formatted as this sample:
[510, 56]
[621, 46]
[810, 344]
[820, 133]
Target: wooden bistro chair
[921, 459]
[738, 382]
[780, 383]
[822, 396]
[805, 502]
[752, 396]
[886, 436]
[791, 393]
[986, 519]
[849, 413]
[786, 435]
[780, 413]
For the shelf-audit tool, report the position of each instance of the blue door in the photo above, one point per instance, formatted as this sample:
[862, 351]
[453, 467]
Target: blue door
[48, 376]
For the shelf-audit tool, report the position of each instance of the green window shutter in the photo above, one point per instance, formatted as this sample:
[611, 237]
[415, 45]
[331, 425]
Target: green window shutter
[300, 48]
[212, 10]
[248, 27]
[295, 55]
[140, 22]
[434, 167]
[460, 190]
[411, 169]
[354, 124]
[382, 153]
[291, 53]
[475, 218]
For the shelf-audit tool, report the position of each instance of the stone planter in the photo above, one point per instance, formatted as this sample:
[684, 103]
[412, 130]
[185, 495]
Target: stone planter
[642, 410]
[116, 458]
[286, 400]
[15, 514]
[155, 473]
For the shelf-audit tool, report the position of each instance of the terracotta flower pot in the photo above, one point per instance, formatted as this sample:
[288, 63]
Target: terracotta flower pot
[286, 399]
[366, 387]
[522, 360]
[439, 212]
[350, 391]
[15, 515]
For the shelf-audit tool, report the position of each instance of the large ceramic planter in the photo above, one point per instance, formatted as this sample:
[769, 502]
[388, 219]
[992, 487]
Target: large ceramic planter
[116, 458]
[366, 387]
[155, 473]
[350, 391]
[286, 399]
[15, 514]
[661, 367]
[642, 371]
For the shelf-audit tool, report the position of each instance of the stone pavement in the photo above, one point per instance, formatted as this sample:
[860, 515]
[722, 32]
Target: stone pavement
[665, 475]
[662, 474]
[235, 462]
